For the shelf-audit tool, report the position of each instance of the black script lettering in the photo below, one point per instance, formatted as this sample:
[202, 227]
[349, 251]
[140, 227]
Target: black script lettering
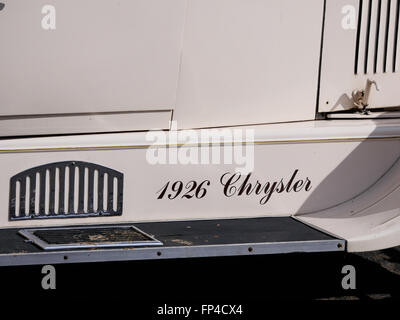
[229, 188]
[248, 187]
[237, 185]
[308, 184]
[268, 193]
[281, 187]
[288, 189]
[298, 186]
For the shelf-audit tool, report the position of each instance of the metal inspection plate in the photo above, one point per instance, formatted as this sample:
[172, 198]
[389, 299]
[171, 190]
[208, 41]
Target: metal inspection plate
[89, 237]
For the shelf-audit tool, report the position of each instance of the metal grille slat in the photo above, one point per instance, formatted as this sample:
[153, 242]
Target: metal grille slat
[80, 181]
[22, 197]
[32, 195]
[100, 189]
[71, 188]
[12, 203]
[42, 192]
[120, 194]
[377, 37]
[362, 36]
[52, 188]
[382, 39]
[391, 35]
[90, 190]
[81, 194]
[61, 194]
[373, 40]
[110, 193]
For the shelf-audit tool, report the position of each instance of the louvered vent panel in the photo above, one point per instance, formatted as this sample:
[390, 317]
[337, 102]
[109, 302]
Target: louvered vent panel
[66, 190]
[377, 46]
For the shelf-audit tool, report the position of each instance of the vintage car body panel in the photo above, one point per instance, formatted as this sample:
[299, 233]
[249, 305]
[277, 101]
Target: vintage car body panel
[344, 162]
[196, 58]
[238, 56]
[106, 62]
[201, 110]
[358, 50]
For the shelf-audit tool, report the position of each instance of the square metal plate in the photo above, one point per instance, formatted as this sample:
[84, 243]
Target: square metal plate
[58, 238]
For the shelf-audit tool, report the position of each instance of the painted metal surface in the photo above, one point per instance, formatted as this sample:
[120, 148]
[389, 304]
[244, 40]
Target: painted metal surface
[247, 62]
[58, 124]
[321, 166]
[306, 131]
[369, 221]
[103, 56]
[361, 43]
[196, 57]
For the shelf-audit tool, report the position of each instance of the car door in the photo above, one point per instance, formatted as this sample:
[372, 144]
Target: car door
[88, 65]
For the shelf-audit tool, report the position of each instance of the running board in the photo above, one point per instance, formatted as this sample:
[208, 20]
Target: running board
[182, 239]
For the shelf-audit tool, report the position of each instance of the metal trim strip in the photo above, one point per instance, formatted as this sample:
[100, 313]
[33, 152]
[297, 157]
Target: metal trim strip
[152, 253]
[199, 144]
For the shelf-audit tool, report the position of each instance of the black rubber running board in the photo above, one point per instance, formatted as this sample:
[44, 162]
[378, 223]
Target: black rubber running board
[182, 239]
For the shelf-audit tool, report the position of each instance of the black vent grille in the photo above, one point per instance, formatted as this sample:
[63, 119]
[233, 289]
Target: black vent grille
[66, 190]
[377, 37]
